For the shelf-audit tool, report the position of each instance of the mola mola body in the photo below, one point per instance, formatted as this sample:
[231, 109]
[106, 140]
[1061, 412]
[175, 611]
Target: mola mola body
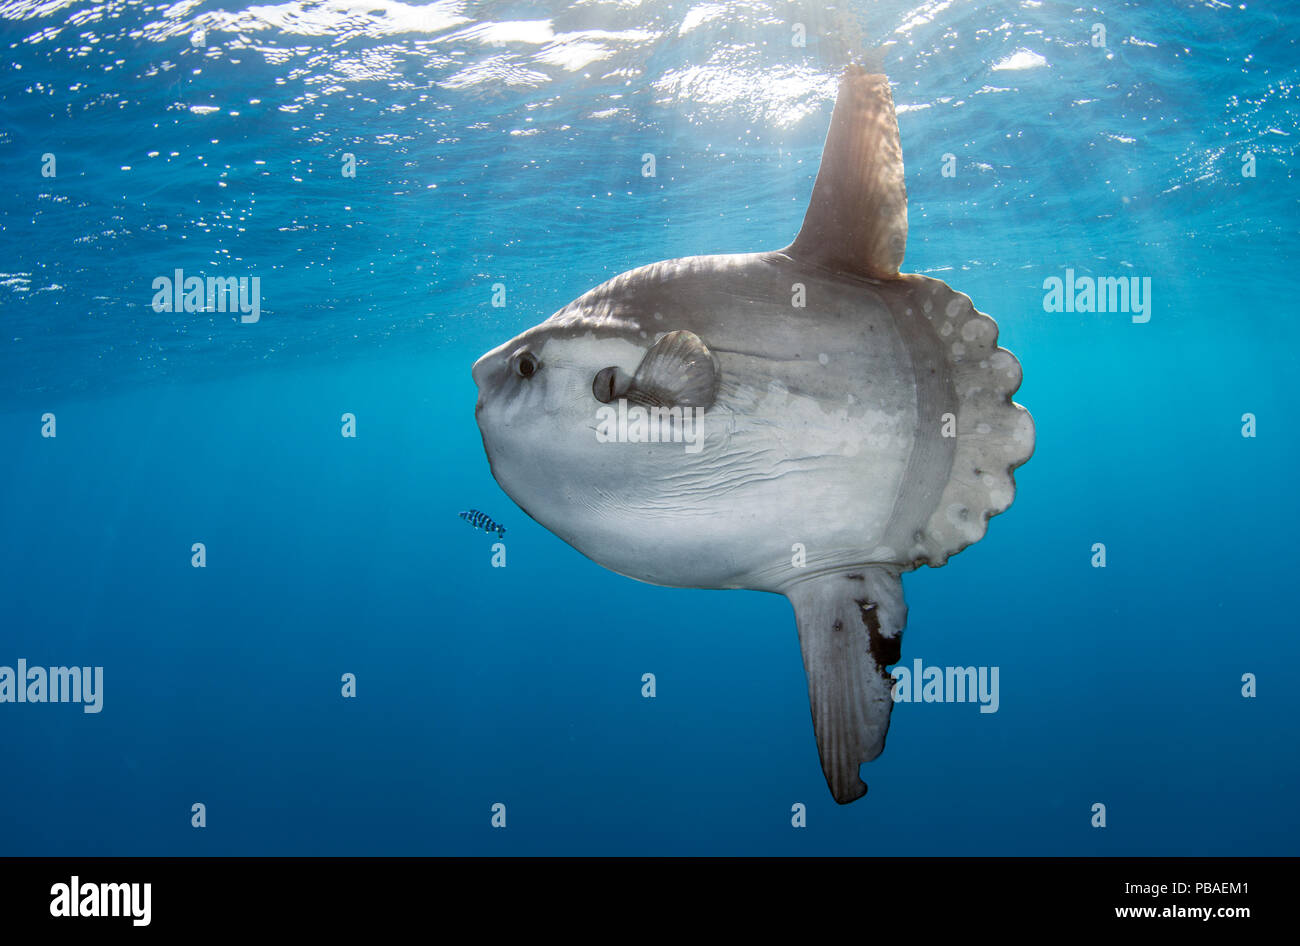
[856, 423]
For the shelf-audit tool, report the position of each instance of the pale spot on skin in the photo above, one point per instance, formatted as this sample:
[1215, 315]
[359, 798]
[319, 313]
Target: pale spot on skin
[1024, 430]
[1002, 361]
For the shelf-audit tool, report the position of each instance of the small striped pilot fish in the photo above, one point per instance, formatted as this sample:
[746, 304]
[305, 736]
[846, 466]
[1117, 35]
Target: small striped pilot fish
[481, 520]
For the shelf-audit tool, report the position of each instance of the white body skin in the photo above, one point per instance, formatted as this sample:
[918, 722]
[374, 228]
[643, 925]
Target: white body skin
[808, 442]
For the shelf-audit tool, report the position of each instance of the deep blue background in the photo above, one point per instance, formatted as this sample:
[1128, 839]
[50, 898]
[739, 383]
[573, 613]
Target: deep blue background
[522, 685]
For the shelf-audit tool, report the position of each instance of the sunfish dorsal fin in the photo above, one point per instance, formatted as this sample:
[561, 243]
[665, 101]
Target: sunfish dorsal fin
[857, 217]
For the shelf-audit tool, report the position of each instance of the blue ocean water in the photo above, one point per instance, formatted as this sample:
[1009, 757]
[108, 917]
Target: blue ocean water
[503, 143]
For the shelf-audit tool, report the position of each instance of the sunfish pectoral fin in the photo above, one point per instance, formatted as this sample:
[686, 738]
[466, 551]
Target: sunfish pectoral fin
[857, 218]
[850, 630]
[677, 371]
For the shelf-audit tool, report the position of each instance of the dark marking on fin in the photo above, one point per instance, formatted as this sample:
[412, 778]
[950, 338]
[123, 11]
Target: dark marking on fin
[884, 650]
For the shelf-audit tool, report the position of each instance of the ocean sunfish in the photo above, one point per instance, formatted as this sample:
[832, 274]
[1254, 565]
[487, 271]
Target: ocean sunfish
[806, 421]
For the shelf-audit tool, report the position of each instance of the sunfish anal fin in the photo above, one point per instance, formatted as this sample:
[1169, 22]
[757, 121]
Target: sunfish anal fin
[857, 218]
[677, 371]
[850, 629]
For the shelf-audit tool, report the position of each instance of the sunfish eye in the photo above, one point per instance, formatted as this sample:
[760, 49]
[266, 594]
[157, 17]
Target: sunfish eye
[602, 388]
[525, 364]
